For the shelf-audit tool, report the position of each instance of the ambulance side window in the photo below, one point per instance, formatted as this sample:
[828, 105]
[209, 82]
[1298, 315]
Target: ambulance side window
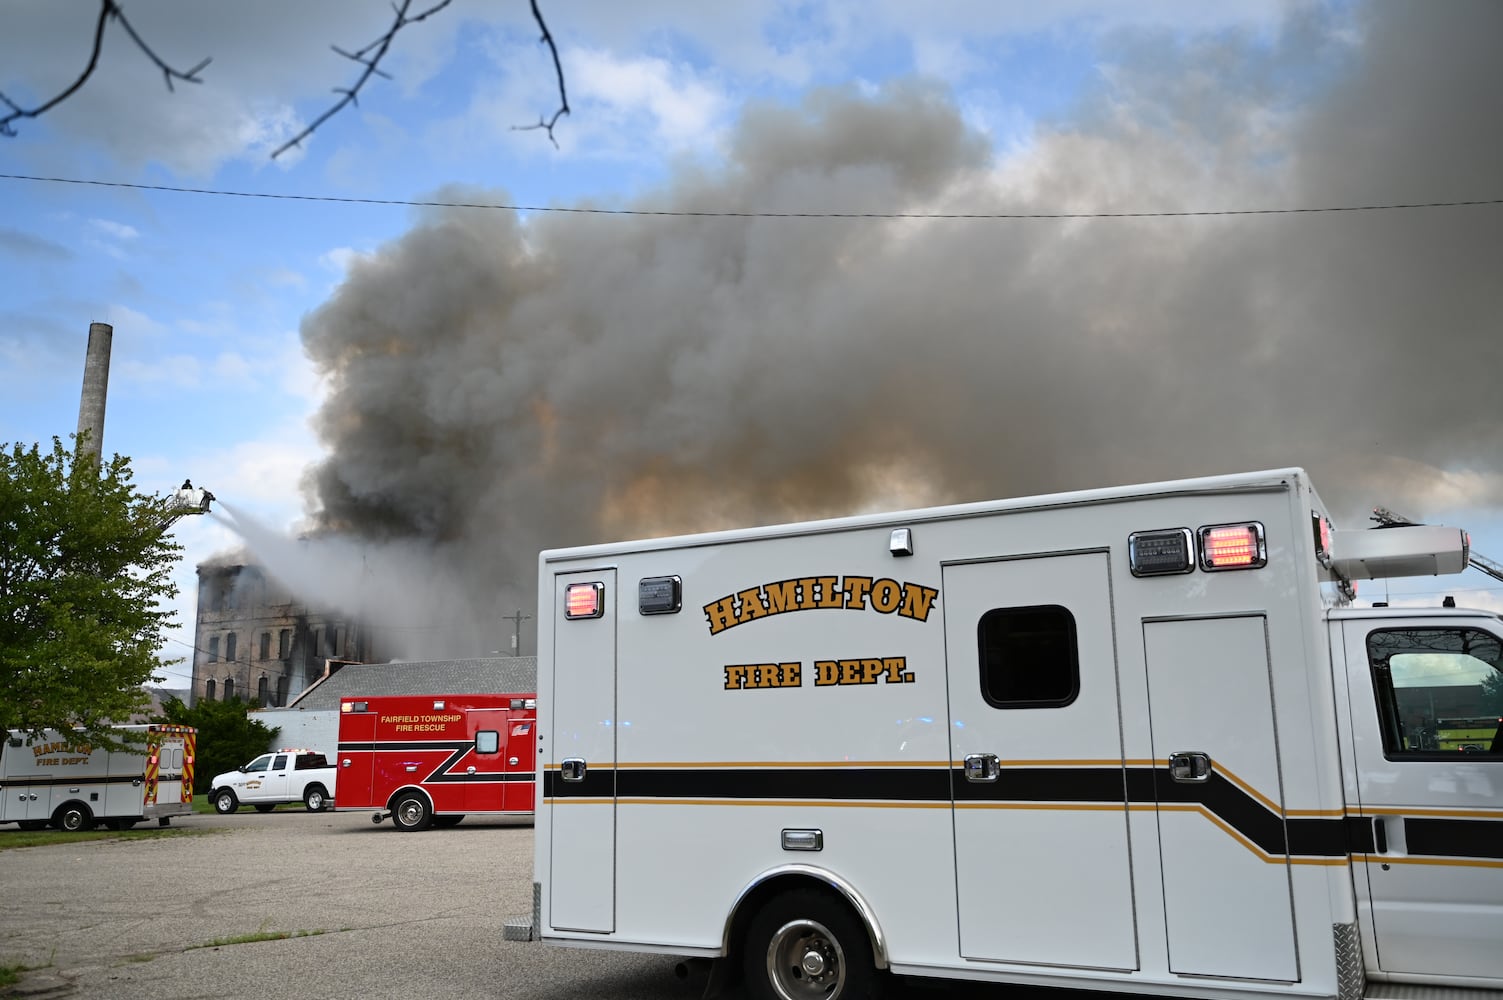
[1439, 691]
[1028, 657]
[487, 741]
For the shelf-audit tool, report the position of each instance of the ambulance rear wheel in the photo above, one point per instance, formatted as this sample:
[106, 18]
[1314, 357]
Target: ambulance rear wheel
[226, 803]
[411, 813]
[805, 944]
[73, 817]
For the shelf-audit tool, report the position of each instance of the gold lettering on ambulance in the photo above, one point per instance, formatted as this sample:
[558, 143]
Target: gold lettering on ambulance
[856, 589]
[829, 592]
[886, 596]
[867, 670]
[855, 593]
[784, 595]
[763, 675]
[917, 600]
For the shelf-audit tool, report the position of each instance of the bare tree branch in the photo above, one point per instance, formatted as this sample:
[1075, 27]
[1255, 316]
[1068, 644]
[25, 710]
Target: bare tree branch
[108, 9]
[563, 97]
[369, 57]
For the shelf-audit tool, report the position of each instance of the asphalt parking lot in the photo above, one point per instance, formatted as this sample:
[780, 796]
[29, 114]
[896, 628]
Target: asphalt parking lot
[372, 914]
[375, 914]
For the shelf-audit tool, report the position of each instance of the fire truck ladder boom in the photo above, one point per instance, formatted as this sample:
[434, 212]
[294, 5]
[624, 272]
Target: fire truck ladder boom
[1388, 519]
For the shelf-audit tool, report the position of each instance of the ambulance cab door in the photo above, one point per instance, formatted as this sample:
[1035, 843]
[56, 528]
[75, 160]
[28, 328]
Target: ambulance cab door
[1042, 868]
[485, 764]
[1427, 740]
[581, 767]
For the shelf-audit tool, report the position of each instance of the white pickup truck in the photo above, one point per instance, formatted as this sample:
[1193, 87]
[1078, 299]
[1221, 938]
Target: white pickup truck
[276, 778]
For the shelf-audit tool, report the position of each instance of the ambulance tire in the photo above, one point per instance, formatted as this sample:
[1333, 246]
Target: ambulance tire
[226, 803]
[265, 807]
[808, 943]
[73, 817]
[411, 813]
[315, 799]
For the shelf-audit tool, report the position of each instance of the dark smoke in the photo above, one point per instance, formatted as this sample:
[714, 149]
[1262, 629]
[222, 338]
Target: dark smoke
[504, 385]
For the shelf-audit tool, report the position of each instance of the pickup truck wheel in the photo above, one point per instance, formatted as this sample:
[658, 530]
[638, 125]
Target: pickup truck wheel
[265, 807]
[225, 802]
[315, 798]
[411, 813]
[73, 817]
[805, 944]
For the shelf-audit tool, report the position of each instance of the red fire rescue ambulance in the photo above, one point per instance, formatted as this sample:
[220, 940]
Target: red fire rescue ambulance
[432, 760]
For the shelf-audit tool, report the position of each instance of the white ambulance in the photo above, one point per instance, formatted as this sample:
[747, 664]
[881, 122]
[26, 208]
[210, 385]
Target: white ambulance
[59, 779]
[1133, 739]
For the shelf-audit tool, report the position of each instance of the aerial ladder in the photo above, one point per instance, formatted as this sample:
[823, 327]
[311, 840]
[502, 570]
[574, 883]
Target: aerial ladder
[1388, 519]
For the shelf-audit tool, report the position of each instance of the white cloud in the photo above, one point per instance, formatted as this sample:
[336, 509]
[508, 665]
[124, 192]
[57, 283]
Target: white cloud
[341, 259]
[679, 107]
[118, 230]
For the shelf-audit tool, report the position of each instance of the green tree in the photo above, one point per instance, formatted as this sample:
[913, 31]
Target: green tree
[227, 735]
[85, 571]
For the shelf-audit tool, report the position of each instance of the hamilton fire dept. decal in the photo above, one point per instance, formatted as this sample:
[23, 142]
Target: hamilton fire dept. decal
[809, 593]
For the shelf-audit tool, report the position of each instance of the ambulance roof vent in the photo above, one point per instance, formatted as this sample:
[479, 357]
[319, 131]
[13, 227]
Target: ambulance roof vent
[1406, 550]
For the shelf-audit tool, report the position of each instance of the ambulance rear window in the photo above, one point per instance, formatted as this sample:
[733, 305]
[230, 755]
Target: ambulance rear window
[1028, 657]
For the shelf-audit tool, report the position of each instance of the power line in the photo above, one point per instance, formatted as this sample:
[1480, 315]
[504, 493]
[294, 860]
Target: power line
[676, 214]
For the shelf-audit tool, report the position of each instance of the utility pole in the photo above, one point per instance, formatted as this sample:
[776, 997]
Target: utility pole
[516, 630]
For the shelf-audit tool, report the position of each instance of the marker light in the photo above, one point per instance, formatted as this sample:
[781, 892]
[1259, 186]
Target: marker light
[1232, 546]
[584, 600]
[1159, 553]
[1322, 528]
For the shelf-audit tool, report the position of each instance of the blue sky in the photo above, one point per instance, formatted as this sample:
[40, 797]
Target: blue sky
[1081, 106]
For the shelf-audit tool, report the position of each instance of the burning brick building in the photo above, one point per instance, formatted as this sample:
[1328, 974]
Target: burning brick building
[256, 640]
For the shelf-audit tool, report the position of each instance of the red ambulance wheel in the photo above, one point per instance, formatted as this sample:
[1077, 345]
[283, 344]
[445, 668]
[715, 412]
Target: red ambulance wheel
[411, 813]
[225, 802]
[73, 817]
[805, 944]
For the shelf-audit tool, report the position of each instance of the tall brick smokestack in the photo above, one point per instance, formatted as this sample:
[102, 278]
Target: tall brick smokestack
[96, 385]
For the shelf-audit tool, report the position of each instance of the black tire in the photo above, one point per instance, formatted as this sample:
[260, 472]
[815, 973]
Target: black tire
[226, 803]
[315, 799]
[73, 818]
[411, 813]
[805, 944]
[265, 807]
[449, 819]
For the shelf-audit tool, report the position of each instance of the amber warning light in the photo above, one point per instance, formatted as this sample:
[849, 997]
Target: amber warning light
[1233, 546]
[584, 600]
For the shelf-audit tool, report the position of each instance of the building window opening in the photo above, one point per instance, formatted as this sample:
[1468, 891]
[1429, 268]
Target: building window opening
[209, 689]
[263, 689]
[229, 689]
[214, 649]
[284, 641]
[265, 645]
[229, 647]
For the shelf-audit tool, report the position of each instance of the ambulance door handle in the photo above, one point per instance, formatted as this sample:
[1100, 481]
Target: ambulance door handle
[511, 762]
[1380, 836]
[345, 762]
[135, 782]
[1190, 767]
[982, 767]
[470, 769]
[572, 769]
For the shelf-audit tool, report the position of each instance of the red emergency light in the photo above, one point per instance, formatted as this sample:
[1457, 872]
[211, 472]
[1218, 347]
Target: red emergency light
[584, 600]
[1232, 546]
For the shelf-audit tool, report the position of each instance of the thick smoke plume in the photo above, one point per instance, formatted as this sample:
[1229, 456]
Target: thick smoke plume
[502, 385]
